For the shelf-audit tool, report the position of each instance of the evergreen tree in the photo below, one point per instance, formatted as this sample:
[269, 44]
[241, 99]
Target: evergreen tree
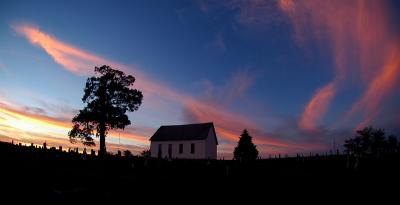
[245, 150]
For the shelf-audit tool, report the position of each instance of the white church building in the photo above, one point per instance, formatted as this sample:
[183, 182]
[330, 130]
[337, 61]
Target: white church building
[191, 141]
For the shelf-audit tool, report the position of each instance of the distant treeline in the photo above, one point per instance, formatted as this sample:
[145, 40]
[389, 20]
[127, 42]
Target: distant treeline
[371, 142]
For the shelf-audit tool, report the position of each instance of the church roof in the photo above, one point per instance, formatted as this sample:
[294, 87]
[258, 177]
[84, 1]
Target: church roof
[183, 132]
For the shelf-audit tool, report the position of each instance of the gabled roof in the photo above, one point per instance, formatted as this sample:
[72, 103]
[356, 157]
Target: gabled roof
[183, 132]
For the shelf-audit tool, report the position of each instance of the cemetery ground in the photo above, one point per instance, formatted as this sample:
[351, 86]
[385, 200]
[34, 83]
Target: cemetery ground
[56, 174]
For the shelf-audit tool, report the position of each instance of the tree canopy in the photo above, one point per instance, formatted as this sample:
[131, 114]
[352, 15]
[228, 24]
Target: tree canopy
[371, 141]
[108, 96]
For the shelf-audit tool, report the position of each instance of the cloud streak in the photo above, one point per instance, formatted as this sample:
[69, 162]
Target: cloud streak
[361, 46]
[75, 60]
[81, 62]
[379, 89]
[317, 107]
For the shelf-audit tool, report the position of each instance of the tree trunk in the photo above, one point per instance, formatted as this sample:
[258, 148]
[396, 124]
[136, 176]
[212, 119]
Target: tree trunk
[102, 120]
[102, 140]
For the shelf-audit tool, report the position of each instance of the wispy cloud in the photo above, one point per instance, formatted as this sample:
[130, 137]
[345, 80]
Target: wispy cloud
[361, 44]
[234, 88]
[317, 107]
[74, 59]
[380, 88]
[358, 37]
[81, 62]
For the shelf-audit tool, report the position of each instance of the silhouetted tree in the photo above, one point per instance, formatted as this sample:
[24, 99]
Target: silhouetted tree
[245, 150]
[370, 141]
[145, 153]
[392, 144]
[108, 97]
[127, 153]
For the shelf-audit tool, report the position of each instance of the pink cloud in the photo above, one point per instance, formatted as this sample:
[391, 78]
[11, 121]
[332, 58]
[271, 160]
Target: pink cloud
[75, 60]
[81, 62]
[317, 107]
[358, 33]
[379, 89]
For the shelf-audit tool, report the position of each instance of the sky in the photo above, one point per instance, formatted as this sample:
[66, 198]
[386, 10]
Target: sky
[301, 76]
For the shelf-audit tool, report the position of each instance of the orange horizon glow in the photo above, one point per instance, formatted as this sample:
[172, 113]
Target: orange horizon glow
[20, 125]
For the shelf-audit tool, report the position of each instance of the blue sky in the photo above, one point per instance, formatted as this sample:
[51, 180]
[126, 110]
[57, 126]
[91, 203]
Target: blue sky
[295, 73]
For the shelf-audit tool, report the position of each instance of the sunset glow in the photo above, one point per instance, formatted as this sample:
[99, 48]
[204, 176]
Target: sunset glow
[296, 74]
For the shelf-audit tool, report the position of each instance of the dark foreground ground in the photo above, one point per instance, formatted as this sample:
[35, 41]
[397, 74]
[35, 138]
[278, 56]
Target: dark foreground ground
[55, 175]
